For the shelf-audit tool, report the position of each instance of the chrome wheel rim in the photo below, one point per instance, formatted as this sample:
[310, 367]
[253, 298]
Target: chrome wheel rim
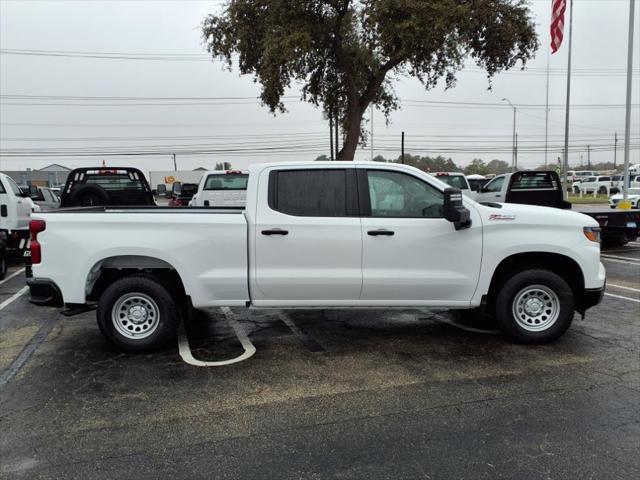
[536, 308]
[135, 315]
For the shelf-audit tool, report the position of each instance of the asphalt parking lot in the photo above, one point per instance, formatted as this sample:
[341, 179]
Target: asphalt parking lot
[327, 394]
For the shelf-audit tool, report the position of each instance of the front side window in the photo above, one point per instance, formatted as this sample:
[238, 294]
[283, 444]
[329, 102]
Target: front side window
[310, 193]
[395, 194]
[495, 185]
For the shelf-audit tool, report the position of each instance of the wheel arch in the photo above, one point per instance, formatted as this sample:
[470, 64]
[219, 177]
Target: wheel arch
[560, 264]
[110, 269]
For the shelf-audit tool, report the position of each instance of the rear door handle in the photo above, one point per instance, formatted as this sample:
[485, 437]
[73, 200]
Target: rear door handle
[382, 231]
[275, 231]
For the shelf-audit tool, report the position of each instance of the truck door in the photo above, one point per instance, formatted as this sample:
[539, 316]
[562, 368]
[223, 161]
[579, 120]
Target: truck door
[307, 238]
[17, 213]
[411, 255]
[493, 191]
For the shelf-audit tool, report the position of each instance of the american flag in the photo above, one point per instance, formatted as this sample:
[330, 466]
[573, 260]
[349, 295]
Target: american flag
[557, 23]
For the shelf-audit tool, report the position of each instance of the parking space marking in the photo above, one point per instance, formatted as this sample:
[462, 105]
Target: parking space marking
[28, 350]
[13, 297]
[623, 287]
[628, 261]
[619, 257]
[308, 341]
[14, 274]
[187, 356]
[623, 298]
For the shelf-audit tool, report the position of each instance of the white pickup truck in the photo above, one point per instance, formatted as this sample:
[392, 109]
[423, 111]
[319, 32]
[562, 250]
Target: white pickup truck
[320, 235]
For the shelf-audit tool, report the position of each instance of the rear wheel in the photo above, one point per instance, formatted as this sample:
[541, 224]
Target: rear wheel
[535, 306]
[138, 314]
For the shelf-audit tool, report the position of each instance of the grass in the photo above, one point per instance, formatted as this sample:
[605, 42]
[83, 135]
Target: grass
[576, 199]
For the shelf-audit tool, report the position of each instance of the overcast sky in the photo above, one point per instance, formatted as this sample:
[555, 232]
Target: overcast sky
[171, 30]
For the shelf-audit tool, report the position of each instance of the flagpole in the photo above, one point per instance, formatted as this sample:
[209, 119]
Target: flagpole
[565, 166]
[627, 120]
[546, 111]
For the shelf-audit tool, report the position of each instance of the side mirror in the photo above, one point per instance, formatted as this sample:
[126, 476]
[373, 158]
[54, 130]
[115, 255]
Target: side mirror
[454, 210]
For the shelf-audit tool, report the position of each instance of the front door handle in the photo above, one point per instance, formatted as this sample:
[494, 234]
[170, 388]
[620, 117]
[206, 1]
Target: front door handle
[382, 231]
[275, 231]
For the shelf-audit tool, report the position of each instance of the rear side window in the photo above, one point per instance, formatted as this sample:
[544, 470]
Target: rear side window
[313, 192]
[230, 181]
[533, 181]
[114, 182]
[605, 179]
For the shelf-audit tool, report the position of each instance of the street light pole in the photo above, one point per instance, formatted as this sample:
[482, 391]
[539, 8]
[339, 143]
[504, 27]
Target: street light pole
[627, 118]
[513, 136]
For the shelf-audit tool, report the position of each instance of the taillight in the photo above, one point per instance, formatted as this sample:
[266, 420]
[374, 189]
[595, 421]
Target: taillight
[35, 227]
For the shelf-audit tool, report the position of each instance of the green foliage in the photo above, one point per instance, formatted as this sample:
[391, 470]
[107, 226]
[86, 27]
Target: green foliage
[476, 167]
[498, 167]
[345, 53]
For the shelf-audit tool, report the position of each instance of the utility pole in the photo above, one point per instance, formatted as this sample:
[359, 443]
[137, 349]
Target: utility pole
[627, 120]
[372, 132]
[546, 112]
[513, 136]
[516, 152]
[565, 166]
[402, 149]
[331, 136]
[615, 149]
[336, 133]
[589, 157]
[175, 165]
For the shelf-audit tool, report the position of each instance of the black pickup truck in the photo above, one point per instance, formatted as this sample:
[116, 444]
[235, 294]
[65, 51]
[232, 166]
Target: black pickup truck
[545, 189]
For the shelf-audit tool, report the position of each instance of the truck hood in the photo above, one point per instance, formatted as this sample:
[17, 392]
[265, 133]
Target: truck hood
[533, 215]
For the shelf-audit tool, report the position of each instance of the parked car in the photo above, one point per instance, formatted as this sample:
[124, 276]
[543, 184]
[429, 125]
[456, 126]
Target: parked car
[476, 182]
[222, 188]
[321, 235]
[456, 180]
[45, 199]
[106, 186]
[15, 213]
[600, 184]
[182, 193]
[579, 175]
[633, 196]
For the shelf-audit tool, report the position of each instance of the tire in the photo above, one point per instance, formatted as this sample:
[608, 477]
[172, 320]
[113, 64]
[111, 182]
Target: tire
[89, 196]
[3, 264]
[550, 303]
[602, 191]
[576, 190]
[138, 314]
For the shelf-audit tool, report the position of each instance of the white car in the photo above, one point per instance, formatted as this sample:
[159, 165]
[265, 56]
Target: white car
[15, 213]
[456, 180]
[599, 184]
[321, 235]
[633, 197]
[221, 188]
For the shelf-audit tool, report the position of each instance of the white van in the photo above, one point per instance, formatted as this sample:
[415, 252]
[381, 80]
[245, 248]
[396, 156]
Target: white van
[221, 188]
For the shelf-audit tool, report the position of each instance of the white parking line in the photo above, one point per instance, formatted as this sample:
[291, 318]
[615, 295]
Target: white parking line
[619, 257]
[623, 298]
[628, 262]
[13, 297]
[14, 274]
[623, 287]
[187, 356]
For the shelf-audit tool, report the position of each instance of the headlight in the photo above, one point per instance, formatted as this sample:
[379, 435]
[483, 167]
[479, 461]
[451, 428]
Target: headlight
[592, 233]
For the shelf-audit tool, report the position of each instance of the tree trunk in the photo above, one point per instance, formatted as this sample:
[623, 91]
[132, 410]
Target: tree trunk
[354, 121]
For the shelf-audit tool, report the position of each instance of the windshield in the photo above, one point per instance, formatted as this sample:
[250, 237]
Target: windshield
[233, 181]
[456, 181]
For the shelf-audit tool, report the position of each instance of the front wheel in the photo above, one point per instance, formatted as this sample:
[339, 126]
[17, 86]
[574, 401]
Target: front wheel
[535, 307]
[137, 314]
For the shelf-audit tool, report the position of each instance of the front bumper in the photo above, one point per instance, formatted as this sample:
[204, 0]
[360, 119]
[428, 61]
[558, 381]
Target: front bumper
[44, 293]
[591, 297]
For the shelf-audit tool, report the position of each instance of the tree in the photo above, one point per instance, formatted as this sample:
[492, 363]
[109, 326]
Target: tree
[322, 158]
[345, 53]
[497, 167]
[476, 167]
